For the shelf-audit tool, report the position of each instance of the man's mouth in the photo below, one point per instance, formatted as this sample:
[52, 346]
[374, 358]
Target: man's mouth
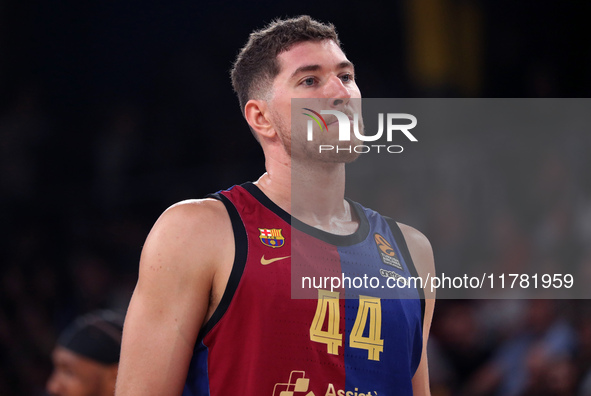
[331, 119]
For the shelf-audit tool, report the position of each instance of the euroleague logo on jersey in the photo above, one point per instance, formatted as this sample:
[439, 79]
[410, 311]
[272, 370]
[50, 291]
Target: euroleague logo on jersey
[386, 251]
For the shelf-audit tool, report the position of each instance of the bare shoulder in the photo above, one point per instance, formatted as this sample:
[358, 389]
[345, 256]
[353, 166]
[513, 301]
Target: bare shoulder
[192, 215]
[421, 253]
[185, 230]
[179, 265]
[420, 249]
[422, 257]
[414, 236]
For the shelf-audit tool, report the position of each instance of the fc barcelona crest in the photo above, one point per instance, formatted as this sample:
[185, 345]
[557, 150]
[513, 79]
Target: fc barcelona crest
[271, 237]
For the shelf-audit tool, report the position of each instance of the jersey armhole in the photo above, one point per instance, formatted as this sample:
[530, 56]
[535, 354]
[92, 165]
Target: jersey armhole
[399, 238]
[240, 255]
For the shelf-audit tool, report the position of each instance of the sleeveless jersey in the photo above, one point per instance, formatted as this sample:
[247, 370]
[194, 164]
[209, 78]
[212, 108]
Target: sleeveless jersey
[322, 339]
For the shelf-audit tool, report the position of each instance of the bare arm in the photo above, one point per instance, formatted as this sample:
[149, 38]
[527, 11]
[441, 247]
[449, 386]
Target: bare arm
[171, 300]
[422, 256]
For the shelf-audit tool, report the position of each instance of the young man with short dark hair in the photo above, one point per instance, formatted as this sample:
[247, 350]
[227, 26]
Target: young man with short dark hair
[213, 313]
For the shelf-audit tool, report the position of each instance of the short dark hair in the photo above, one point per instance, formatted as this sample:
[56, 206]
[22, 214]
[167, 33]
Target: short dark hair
[96, 336]
[256, 64]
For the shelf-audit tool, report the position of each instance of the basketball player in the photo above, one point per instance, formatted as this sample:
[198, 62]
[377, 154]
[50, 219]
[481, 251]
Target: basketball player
[86, 356]
[212, 312]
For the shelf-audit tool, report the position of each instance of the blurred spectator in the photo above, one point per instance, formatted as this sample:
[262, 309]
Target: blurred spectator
[520, 365]
[86, 356]
[459, 347]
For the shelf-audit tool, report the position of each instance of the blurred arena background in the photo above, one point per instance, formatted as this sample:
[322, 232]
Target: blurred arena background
[112, 111]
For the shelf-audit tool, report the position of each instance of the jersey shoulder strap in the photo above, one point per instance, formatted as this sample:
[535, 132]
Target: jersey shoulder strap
[399, 238]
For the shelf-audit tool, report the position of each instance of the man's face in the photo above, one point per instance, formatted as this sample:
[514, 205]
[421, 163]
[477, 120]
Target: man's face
[75, 375]
[318, 71]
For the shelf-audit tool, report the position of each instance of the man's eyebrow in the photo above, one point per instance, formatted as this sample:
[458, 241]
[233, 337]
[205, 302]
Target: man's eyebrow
[304, 69]
[345, 64]
[309, 68]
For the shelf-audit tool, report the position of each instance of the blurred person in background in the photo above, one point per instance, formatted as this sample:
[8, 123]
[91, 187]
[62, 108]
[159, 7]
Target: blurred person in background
[537, 359]
[86, 357]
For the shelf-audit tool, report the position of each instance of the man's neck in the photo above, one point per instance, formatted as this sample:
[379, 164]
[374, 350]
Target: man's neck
[313, 195]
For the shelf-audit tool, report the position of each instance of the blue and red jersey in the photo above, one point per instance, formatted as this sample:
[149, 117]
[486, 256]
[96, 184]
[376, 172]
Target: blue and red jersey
[281, 330]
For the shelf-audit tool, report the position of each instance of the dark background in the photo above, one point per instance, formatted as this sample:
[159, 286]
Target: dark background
[111, 111]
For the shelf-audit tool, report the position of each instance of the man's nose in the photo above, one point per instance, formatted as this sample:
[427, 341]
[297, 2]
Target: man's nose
[53, 385]
[337, 91]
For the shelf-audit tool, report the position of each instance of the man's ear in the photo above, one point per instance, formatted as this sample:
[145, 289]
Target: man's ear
[257, 116]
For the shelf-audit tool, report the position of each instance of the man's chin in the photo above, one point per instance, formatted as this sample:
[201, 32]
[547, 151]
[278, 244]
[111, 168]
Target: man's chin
[329, 152]
[341, 153]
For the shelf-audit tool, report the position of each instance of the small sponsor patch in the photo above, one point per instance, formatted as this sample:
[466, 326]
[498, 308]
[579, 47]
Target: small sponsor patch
[390, 274]
[298, 383]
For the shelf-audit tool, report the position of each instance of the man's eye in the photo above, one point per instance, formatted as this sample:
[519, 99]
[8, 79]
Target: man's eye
[347, 77]
[309, 81]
